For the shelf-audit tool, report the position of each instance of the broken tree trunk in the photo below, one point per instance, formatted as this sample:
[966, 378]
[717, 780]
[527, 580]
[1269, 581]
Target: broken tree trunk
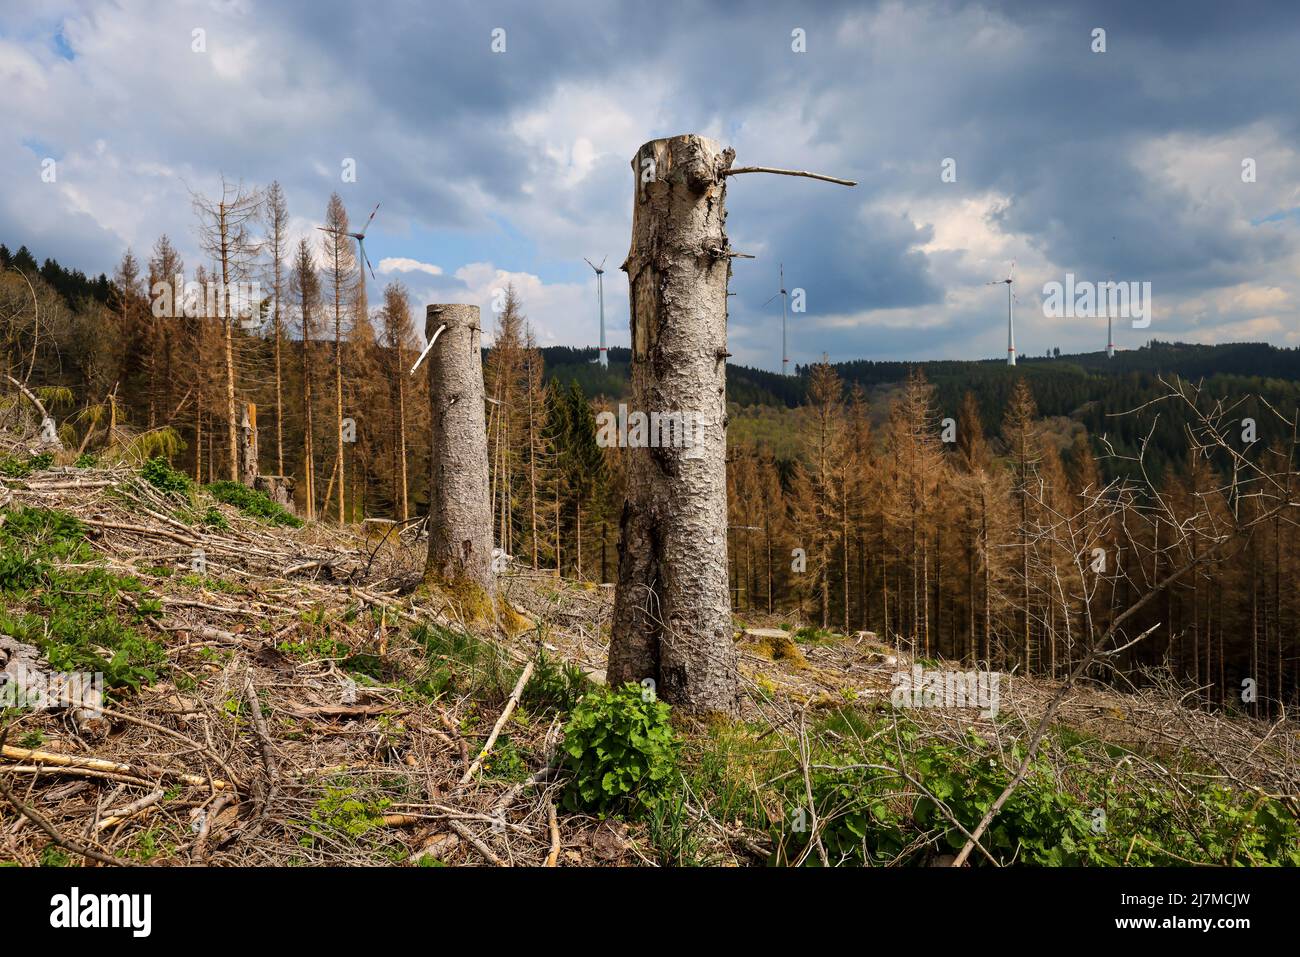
[460, 514]
[278, 488]
[49, 431]
[672, 613]
[248, 468]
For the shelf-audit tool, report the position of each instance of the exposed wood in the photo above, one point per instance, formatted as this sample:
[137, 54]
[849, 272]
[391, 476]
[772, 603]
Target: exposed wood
[554, 827]
[99, 764]
[49, 432]
[248, 468]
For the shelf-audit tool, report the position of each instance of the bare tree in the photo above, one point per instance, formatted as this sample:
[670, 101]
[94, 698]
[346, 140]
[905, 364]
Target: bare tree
[306, 285]
[1193, 540]
[672, 609]
[225, 234]
[277, 222]
[398, 336]
[340, 266]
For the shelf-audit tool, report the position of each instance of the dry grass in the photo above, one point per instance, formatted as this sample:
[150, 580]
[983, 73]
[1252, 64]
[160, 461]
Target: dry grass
[341, 703]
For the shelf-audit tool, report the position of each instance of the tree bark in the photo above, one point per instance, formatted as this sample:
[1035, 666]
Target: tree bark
[248, 469]
[227, 320]
[403, 486]
[672, 614]
[460, 510]
[308, 452]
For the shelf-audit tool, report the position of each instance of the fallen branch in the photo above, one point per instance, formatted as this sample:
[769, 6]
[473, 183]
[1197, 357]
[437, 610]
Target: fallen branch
[49, 432]
[555, 834]
[269, 762]
[111, 767]
[135, 807]
[478, 845]
[501, 723]
[41, 821]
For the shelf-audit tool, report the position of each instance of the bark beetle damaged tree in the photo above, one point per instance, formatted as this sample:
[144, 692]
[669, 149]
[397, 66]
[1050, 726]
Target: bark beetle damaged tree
[672, 611]
[460, 514]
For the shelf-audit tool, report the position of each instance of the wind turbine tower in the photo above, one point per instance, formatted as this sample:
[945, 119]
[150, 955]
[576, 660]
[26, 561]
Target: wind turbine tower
[600, 295]
[785, 354]
[1110, 337]
[1011, 326]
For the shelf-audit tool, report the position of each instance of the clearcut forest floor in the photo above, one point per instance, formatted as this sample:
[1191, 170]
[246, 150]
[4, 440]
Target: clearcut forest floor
[306, 703]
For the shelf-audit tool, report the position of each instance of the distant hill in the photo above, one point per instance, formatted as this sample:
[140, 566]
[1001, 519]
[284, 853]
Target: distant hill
[1087, 387]
[747, 386]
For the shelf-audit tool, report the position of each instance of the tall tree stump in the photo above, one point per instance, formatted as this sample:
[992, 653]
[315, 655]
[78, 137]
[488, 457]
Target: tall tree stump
[248, 467]
[672, 611]
[460, 513]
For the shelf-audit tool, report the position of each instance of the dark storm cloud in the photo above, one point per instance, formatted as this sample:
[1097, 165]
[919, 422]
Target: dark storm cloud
[1125, 163]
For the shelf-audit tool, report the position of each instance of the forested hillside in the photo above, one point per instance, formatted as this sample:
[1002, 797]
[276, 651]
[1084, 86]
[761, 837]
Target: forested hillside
[945, 503]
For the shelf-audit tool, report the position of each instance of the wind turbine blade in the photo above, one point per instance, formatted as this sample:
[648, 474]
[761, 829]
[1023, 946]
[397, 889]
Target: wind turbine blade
[367, 259]
[774, 295]
[368, 221]
[1011, 274]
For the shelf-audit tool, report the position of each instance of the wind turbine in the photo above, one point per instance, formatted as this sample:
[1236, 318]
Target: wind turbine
[600, 294]
[1110, 336]
[1011, 327]
[785, 357]
[359, 237]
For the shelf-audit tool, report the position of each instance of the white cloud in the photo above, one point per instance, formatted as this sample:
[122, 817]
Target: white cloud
[402, 264]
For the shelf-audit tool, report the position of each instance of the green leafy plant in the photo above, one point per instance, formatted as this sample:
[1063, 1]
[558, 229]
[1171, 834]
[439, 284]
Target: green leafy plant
[460, 662]
[342, 811]
[620, 750]
[82, 619]
[504, 762]
[165, 478]
[13, 467]
[555, 685]
[1067, 811]
[253, 503]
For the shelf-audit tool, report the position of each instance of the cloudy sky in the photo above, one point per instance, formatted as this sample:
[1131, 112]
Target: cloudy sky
[1128, 164]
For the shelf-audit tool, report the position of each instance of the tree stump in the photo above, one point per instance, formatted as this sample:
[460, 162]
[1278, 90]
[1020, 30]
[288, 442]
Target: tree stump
[278, 488]
[248, 467]
[672, 610]
[460, 514]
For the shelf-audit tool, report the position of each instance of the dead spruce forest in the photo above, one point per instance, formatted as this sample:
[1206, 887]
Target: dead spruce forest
[228, 517]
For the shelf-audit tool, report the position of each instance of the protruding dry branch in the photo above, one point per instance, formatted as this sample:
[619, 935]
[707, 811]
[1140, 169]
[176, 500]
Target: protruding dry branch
[788, 172]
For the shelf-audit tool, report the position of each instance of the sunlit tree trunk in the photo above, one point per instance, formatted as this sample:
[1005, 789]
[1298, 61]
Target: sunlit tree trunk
[672, 613]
